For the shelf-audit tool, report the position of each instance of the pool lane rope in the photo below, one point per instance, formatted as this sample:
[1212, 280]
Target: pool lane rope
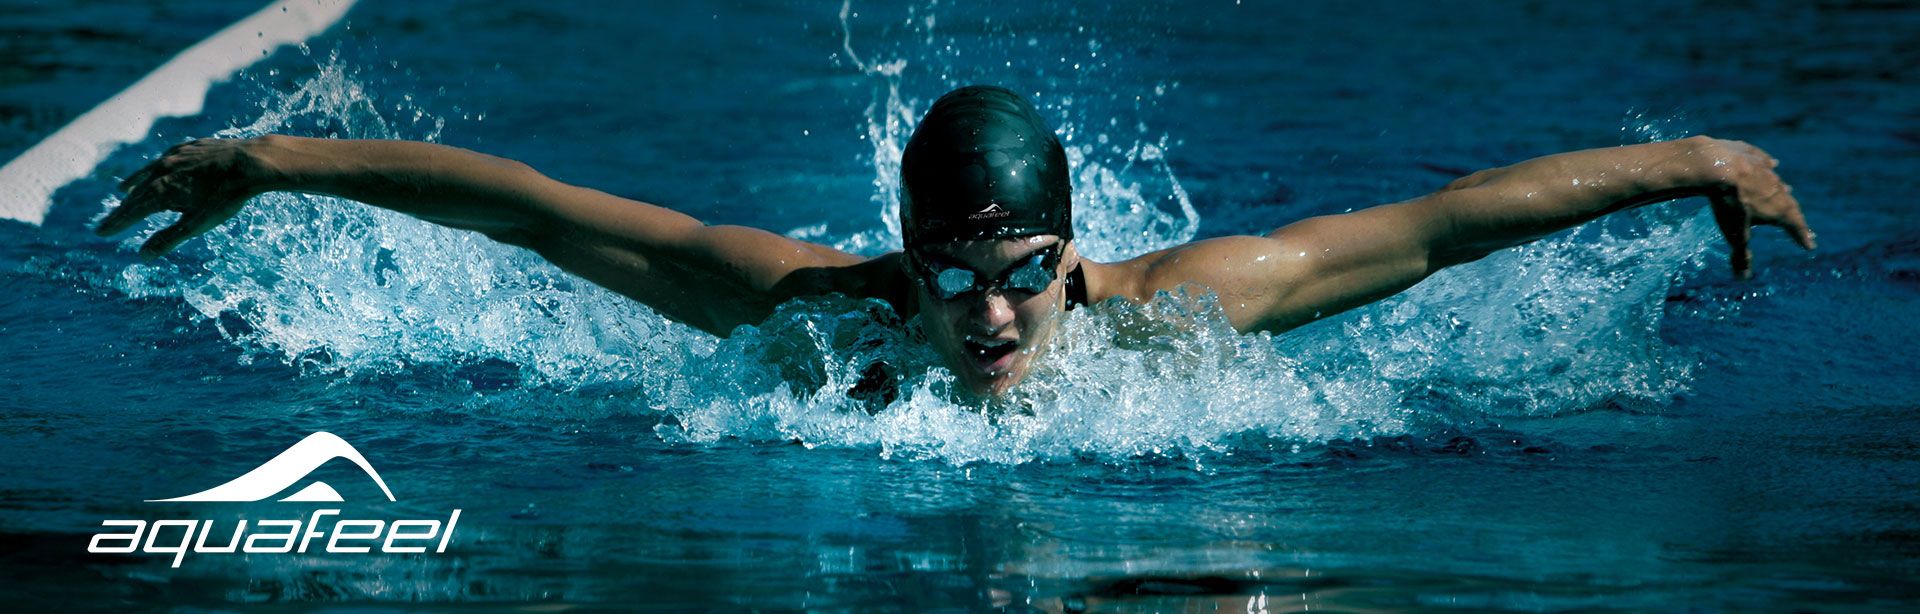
[177, 88]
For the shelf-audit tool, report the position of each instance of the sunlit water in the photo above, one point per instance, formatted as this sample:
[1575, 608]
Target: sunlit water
[1600, 419]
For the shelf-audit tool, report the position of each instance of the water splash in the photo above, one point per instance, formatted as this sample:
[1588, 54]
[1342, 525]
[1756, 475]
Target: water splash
[1168, 378]
[1646, 126]
[338, 287]
[1127, 200]
[345, 290]
[1567, 324]
[889, 123]
[1564, 326]
[1570, 324]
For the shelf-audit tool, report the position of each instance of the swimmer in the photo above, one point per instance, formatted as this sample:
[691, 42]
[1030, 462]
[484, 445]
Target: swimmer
[989, 263]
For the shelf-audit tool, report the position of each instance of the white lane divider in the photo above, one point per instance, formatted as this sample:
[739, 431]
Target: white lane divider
[177, 88]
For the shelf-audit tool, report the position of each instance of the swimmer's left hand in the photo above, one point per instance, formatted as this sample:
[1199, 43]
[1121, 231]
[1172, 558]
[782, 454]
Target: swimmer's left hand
[1746, 193]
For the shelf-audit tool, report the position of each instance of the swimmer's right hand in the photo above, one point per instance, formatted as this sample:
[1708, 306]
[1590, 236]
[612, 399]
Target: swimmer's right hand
[206, 180]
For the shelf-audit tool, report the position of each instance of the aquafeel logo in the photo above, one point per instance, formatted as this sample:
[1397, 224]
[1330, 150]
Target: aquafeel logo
[282, 473]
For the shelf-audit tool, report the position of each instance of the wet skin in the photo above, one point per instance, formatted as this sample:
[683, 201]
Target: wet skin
[718, 278]
[991, 339]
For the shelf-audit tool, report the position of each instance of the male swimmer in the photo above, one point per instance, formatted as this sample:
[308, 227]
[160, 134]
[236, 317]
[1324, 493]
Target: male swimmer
[989, 261]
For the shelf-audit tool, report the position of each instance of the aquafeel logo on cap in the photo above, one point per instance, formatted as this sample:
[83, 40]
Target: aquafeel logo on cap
[993, 210]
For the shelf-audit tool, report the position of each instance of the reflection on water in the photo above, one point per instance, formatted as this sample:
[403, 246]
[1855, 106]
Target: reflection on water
[342, 289]
[1596, 421]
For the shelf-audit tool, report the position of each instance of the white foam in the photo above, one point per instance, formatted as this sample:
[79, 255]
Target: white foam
[177, 88]
[1564, 325]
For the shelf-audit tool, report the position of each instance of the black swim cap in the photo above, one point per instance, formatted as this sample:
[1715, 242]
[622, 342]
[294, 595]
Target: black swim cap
[983, 165]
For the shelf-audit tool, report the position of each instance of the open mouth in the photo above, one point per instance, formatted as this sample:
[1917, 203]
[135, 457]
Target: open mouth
[991, 355]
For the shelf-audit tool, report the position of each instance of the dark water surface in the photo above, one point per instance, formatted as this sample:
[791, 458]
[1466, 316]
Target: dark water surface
[1603, 421]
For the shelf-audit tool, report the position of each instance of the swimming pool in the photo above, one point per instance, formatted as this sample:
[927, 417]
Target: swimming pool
[1600, 421]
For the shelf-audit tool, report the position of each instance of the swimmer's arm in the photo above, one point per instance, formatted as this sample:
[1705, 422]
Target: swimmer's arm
[1324, 265]
[711, 277]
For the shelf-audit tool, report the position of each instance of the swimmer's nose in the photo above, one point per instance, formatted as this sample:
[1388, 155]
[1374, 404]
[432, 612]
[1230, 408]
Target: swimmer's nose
[991, 312]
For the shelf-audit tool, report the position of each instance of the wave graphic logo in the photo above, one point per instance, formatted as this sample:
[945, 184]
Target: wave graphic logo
[992, 211]
[321, 531]
[291, 466]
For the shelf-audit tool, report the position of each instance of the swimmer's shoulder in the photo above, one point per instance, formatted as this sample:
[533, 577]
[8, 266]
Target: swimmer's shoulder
[879, 277]
[1229, 265]
[1104, 280]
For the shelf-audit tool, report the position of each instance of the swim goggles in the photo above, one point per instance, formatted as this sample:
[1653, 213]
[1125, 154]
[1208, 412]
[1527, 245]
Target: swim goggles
[947, 282]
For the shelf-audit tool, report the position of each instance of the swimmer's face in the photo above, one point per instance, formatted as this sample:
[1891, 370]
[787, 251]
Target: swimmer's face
[992, 335]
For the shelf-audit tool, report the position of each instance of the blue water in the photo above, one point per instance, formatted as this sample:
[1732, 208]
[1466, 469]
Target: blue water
[1603, 420]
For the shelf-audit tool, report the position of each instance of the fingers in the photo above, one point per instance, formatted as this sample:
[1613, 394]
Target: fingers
[1804, 236]
[191, 177]
[138, 177]
[1754, 195]
[156, 166]
[129, 213]
[189, 226]
[1736, 224]
[135, 208]
[1795, 224]
[120, 219]
[1781, 209]
[141, 188]
[167, 239]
